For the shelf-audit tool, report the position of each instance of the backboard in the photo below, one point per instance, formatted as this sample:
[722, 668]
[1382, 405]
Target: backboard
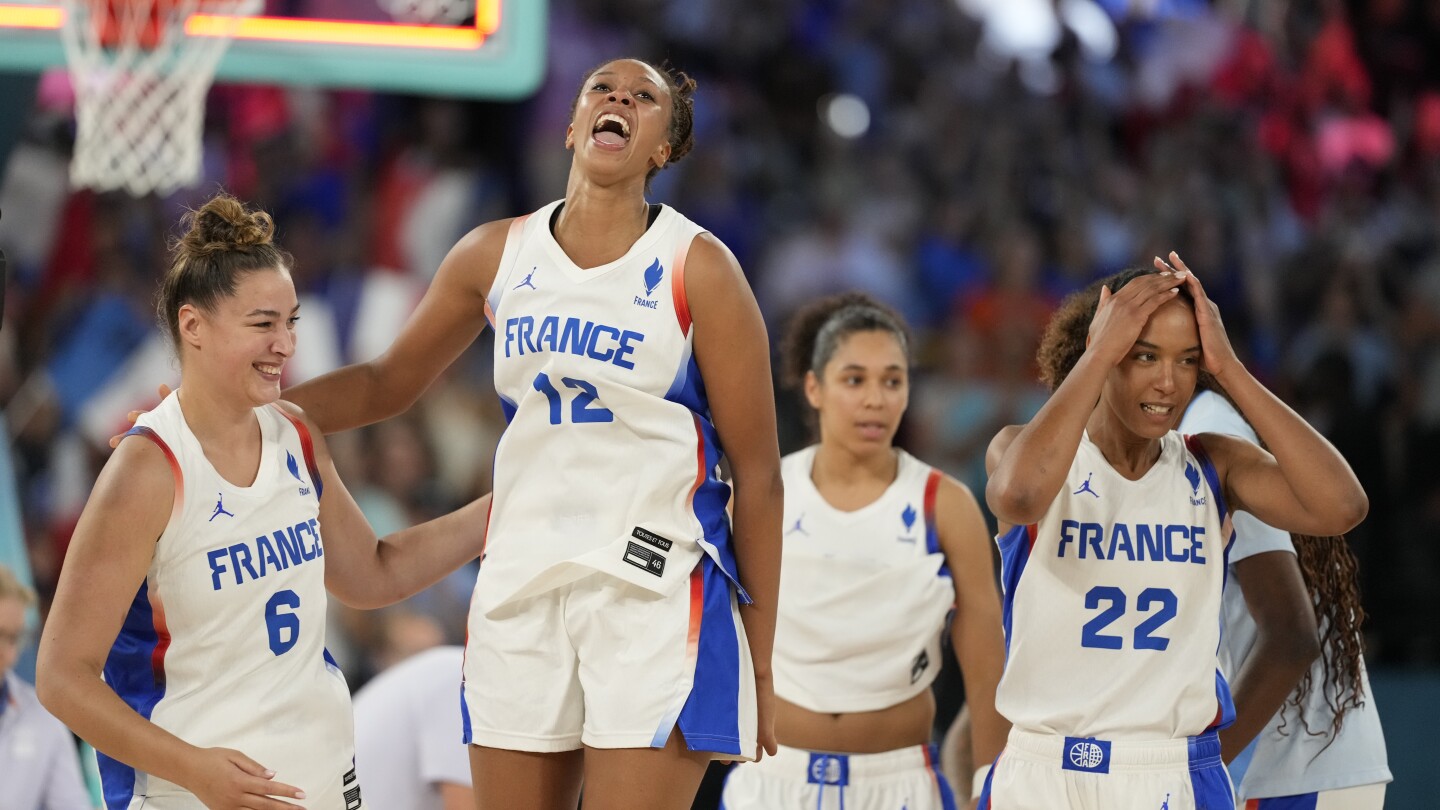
[496, 52]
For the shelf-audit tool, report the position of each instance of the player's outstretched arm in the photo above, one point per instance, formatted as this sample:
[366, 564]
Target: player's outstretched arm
[367, 573]
[105, 566]
[448, 319]
[733, 352]
[976, 630]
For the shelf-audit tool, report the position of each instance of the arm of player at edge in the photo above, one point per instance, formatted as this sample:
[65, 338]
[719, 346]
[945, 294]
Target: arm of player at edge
[733, 353]
[446, 322]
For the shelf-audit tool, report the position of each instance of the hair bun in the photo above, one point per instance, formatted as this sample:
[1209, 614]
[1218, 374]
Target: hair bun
[224, 224]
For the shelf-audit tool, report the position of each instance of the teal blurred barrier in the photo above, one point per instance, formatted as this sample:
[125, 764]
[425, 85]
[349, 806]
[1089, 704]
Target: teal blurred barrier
[12, 542]
[1409, 702]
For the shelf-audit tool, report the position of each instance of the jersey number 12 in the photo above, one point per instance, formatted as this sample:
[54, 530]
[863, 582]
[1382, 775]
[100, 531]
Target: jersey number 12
[583, 408]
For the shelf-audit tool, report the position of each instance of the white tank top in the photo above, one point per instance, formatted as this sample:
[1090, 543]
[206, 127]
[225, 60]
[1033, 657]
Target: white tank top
[608, 462]
[224, 644]
[1112, 602]
[1284, 760]
[864, 595]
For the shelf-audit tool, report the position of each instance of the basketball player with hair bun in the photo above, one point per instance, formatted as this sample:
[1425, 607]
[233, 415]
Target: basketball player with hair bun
[195, 581]
[1113, 539]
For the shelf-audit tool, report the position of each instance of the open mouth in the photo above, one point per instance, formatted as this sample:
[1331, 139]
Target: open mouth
[267, 369]
[1156, 410]
[611, 130]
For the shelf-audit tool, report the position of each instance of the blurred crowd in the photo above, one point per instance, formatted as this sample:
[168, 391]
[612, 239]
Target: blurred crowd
[1290, 151]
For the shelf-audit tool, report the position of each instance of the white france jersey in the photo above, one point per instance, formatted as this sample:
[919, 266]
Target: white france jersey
[224, 644]
[1286, 761]
[608, 461]
[864, 595]
[1112, 602]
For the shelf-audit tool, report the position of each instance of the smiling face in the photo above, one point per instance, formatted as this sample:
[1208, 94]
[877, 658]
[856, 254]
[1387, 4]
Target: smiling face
[862, 392]
[1148, 390]
[621, 123]
[240, 346]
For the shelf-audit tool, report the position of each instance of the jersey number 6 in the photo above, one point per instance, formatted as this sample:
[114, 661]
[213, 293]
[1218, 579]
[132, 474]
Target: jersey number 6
[283, 628]
[1090, 635]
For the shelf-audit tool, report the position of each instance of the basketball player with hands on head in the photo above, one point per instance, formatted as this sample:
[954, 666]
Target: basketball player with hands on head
[1114, 531]
[879, 548]
[195, 581]
[607, 642]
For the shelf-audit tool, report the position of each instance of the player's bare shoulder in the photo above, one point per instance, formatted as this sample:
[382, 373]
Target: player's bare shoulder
[473, 262]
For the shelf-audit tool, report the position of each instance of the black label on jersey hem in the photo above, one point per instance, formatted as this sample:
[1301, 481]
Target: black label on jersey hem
[652, 538]
[644, 559]
[352, 795]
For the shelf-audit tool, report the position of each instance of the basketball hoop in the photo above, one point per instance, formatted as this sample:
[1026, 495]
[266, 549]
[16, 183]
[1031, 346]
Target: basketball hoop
[140, 84]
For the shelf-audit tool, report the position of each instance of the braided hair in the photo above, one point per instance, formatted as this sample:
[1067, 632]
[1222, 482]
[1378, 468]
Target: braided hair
[1331, 575]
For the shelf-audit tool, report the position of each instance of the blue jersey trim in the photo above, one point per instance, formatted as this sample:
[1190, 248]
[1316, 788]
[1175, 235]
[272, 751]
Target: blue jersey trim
[508, 407]
[710, 719]
[713, 495]
[129, 670]
[1015, 547]
[1226, 714]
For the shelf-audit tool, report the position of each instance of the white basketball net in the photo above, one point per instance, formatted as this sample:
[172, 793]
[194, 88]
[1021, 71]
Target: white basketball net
[140, 105]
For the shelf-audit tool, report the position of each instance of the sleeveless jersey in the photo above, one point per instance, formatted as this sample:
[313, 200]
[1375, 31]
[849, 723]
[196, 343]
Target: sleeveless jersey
[1284, 760]
[864, 595]
[224, 644]
[608, 460]
[1112, 602]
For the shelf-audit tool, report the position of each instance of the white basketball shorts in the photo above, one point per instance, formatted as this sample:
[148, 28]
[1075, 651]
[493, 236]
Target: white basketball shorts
[796, 779]
[1043, 772]
[606, 664]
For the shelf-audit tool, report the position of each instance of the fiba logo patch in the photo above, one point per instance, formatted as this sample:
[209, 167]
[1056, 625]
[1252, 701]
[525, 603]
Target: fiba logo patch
[1193, 476]
[829, 769]
[1086, 754]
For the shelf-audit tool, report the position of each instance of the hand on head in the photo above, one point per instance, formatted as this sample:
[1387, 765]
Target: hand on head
[1121, 317]
[1219, 355]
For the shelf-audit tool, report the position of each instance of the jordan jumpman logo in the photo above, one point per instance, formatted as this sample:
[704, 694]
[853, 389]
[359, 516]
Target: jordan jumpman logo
[220, 508]
[1085, 487]
[528, 282]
